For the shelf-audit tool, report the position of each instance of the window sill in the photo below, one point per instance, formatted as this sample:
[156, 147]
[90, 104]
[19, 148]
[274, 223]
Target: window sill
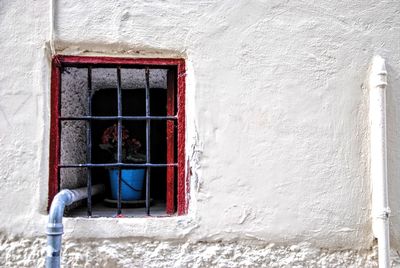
[169, 227]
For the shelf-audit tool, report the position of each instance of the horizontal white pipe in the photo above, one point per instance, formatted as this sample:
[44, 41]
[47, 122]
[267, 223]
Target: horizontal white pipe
[377, 113]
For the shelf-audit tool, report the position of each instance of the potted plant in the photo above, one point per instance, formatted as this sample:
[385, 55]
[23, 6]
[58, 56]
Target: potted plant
[131, 178]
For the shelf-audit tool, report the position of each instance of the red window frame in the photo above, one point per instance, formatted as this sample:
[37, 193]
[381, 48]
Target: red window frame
[59, 61]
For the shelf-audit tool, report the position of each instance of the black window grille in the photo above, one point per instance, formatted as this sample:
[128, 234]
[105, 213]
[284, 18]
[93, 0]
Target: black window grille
[120, 118]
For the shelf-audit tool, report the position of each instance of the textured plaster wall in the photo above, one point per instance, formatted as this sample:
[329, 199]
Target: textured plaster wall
[17, 252]
[277, 131]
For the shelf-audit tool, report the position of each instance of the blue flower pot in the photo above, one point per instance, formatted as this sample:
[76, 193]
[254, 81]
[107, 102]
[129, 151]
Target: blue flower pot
[131, 183]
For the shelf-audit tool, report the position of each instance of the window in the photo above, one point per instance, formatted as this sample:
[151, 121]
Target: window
[111, 117]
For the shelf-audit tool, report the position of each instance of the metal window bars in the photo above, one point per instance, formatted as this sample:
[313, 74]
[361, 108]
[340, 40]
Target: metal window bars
[119, 118]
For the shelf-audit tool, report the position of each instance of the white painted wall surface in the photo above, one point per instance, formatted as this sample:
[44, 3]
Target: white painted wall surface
[277, 113]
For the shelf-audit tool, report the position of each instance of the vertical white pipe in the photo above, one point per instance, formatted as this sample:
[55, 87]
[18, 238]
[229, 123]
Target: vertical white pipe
[377, 113]
[51, 21]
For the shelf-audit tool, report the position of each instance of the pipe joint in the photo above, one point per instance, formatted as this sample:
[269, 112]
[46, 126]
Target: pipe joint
[378, 73]
[384, 214]
[55, 229]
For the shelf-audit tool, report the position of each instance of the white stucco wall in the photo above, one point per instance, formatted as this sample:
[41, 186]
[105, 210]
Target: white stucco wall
[277, 127]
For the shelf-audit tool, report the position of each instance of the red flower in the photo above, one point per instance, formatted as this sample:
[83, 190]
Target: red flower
[110, 135]
[130, 146]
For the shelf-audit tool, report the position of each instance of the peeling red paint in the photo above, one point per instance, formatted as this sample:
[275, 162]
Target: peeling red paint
[119, 61]
[182, 190]
[170, 206]
[54, 154]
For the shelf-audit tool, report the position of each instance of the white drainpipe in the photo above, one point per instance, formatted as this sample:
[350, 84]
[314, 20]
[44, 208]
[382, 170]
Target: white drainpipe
[55, 228]
[52, 26]
[377, 82]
